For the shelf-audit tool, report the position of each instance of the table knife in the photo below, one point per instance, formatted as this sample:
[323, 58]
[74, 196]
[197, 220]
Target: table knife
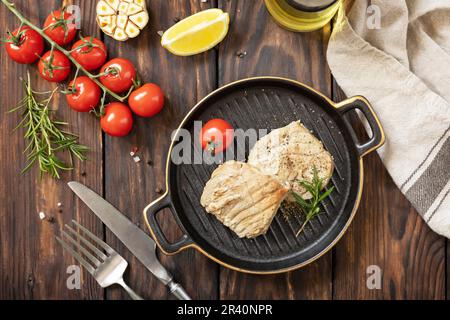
[137, 241]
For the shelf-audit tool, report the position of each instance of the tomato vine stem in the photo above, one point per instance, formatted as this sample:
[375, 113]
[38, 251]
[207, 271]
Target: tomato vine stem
[11, 7]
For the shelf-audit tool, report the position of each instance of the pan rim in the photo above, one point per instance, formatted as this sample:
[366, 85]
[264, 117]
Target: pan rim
[210, 256]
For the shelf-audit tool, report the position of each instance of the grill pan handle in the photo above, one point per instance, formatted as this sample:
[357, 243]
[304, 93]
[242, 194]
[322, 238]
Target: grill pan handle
[361, 103]
[150, 212]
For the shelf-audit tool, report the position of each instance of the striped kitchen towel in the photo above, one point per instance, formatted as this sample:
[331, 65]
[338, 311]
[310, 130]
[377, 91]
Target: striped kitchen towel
[397, 55]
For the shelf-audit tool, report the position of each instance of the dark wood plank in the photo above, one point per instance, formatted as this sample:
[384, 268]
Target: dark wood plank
[131, 186]
[389, 233]
[274, 51]
[32, 264]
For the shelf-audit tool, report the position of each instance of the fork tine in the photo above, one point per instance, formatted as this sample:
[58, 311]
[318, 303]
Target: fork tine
[93, 237]
[76, 255]
[87, 243]
[81, 248]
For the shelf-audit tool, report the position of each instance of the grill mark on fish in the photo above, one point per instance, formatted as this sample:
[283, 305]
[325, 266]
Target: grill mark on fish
[228, 235]
[232, 213]
[253, 215]
[289, 153]
[209, 218]
[257, 205]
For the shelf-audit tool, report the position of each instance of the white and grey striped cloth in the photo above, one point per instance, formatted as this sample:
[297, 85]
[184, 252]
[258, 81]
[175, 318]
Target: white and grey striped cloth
[402, 66]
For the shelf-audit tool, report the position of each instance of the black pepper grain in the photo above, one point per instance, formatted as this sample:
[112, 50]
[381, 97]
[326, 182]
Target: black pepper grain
[241, 54]
[30, 281]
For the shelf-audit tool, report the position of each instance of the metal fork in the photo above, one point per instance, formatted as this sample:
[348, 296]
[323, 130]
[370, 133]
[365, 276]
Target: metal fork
[107, 268]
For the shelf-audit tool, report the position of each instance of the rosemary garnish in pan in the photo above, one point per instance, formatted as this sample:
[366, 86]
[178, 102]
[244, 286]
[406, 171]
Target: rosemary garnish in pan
[311, 207]
[45, 136]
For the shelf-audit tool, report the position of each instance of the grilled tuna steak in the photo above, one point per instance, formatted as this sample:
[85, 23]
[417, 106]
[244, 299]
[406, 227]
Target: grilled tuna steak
[289, 154]
[243, 198]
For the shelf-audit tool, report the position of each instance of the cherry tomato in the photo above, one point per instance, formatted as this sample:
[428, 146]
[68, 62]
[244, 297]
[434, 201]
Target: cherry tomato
[91, 53]
[60, 27]
[24, 45]
[147, 101]
[54, 67]
[216, 136]
[119, 75]
[117, 120]
[86, 94]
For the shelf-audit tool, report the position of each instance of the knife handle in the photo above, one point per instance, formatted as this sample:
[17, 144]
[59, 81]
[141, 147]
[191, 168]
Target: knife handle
[178, 291]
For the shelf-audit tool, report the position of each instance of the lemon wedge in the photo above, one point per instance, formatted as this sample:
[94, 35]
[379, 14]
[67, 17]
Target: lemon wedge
[197, 33]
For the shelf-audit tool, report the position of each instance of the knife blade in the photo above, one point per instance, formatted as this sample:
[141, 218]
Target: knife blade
[135, 239]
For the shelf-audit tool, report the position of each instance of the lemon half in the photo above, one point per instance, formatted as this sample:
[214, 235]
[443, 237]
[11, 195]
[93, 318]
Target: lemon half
[197, 33]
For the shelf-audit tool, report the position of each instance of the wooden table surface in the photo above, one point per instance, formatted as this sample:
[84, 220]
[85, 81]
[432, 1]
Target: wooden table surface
[387, 231]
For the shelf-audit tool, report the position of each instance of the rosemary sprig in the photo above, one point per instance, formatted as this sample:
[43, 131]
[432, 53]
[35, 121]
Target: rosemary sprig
[45, 137]
[311, 207]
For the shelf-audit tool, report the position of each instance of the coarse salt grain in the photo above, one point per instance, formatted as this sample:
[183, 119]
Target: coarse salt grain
[41, 215]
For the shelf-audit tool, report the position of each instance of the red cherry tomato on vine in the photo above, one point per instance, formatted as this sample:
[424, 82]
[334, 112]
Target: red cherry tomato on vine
[24, 45]
[85, 96]
[61, 28]
[119, 75]
[117, 120]
[91, 53]
[216, 136]
[147, 101]
[54, 67]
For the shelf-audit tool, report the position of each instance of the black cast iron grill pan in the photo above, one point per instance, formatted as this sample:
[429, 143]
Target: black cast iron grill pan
[268, 103]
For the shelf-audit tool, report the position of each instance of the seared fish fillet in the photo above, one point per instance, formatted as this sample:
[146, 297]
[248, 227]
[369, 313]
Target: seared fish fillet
[243, 198]
[289, 154]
